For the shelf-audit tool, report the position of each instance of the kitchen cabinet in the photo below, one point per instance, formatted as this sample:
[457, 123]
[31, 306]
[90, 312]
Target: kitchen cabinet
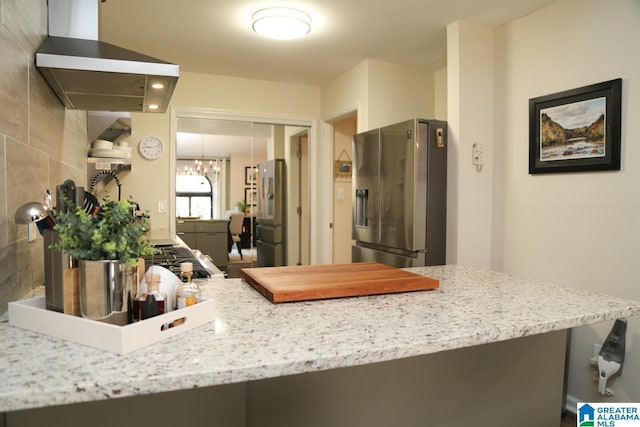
[208, 236]
[186, 230]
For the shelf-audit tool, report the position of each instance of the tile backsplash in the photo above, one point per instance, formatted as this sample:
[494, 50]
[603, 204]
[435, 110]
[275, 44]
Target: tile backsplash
[41, 144]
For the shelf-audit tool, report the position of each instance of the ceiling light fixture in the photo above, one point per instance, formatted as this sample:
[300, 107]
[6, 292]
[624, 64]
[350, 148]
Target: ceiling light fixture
[281, 23]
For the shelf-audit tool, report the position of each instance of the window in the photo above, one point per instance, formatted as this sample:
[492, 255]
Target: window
[194, 197]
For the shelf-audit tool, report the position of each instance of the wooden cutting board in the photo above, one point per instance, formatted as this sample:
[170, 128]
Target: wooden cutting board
[312, 282]
[71, 291]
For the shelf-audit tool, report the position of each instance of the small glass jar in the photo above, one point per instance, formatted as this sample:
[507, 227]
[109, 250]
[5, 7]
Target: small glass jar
[188, 292]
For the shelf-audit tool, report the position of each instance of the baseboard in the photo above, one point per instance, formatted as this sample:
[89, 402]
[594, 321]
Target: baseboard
[571, 404]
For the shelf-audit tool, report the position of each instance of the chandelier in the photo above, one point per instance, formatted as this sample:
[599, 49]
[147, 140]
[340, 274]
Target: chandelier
[201, 168]
[212, 172]
[210, 169]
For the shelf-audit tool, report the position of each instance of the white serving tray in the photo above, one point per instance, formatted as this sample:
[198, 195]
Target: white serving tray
[31, 314]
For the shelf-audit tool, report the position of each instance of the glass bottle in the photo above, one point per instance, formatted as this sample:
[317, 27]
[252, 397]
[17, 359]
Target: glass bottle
[157, 298]
[188, 292]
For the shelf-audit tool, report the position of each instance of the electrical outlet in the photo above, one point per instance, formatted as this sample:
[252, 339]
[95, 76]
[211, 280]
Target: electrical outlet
[595, 376]
[476, 157]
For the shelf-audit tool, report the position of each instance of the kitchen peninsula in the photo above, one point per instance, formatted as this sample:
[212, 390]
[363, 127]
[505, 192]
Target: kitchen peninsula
[481, 349]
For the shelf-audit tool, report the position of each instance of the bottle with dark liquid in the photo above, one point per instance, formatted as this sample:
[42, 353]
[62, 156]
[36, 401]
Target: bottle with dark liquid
[152, 302]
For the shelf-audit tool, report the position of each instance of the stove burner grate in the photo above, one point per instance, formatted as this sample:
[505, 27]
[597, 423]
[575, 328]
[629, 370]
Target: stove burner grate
[171, 257]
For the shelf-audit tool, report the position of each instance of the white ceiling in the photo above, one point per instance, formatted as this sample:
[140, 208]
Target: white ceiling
[215, 36]
[209, 138]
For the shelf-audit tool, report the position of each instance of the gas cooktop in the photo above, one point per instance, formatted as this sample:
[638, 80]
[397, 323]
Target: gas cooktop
[170, 257]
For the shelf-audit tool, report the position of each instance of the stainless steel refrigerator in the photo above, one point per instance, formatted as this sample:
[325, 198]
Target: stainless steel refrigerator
[400, 189]
[271, 217]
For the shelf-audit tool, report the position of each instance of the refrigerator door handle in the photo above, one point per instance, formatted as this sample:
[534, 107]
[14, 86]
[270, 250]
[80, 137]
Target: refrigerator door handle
[362, 198]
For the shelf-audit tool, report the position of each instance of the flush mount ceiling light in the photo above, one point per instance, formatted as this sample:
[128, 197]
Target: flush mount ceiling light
[281, 23]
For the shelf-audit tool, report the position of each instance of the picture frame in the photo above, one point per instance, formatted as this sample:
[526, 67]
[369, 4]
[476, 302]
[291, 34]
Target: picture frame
[250, 196]
[250, 175]
[576, 130]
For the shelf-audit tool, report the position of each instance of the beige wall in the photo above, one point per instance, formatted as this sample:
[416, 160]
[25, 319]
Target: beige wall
[346, 94]
[381, 92]
[398, 93]
[41, 144]
[440, 94]
[581, 230]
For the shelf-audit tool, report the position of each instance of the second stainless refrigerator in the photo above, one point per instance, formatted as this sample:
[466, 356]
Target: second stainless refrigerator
[272, 216]
[400, 194]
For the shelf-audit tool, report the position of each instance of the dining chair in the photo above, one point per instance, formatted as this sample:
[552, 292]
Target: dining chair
[235, 228]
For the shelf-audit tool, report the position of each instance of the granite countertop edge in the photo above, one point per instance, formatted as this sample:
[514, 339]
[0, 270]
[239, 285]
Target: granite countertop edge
[253, 339]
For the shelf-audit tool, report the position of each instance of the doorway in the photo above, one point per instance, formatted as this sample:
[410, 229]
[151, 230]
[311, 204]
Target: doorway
[299, 249]
[343, 131]
[265, 139]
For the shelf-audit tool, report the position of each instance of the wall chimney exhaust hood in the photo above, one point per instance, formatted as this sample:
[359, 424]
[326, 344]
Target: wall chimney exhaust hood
[87, 74]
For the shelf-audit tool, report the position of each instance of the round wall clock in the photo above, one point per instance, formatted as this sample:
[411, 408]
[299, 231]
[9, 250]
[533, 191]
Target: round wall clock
[151, 147]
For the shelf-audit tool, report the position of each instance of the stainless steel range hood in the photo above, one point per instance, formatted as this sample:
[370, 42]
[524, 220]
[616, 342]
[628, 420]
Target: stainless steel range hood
[87, 74]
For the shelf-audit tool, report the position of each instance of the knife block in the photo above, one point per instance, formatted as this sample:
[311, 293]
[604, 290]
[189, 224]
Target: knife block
[56, 269]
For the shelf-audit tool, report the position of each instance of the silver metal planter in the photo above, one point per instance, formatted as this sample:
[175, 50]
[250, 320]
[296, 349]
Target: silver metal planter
[103, 291]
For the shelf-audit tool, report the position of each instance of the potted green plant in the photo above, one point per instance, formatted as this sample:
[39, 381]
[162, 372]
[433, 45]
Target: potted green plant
[114, 233]
[107, 245]
[242, 207]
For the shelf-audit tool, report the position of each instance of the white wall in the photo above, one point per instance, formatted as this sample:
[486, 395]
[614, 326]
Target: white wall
[580, 230]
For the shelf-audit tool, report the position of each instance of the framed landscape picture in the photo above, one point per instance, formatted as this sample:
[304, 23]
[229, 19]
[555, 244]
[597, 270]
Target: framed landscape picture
[576, 130]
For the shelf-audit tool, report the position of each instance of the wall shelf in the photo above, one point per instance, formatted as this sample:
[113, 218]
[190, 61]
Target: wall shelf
[108, 168]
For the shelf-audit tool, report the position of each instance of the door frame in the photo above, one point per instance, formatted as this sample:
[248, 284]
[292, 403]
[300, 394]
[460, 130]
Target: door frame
[348, 111]
[265, 118]
[298, 242]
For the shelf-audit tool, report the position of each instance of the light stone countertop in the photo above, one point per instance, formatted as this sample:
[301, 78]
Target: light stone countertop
[253, 339]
